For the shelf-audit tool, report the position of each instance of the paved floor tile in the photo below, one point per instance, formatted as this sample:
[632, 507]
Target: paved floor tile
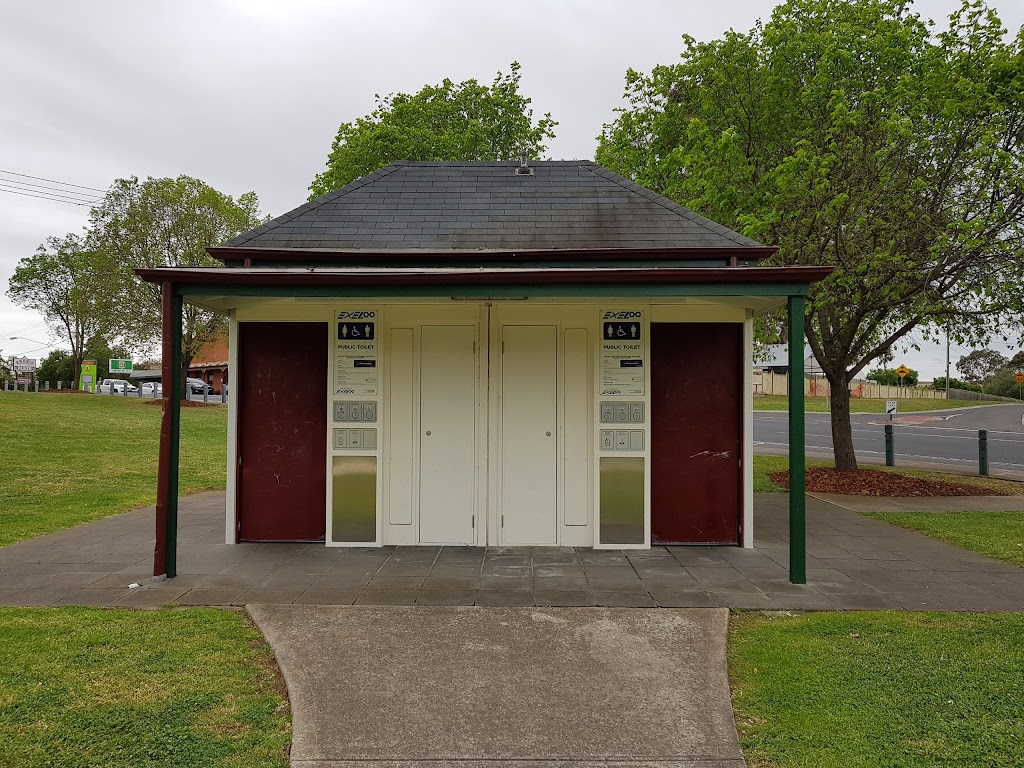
[446, 597]
[855, 563]
[314, 596]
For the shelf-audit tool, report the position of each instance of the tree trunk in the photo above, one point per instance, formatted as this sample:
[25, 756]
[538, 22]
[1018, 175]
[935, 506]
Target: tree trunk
[842, 429]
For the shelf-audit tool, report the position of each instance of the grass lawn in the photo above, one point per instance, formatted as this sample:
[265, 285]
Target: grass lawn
[996, 534]
[118, 688]
[71, 459]
[884, 689]
[765, 465]
[862, 404]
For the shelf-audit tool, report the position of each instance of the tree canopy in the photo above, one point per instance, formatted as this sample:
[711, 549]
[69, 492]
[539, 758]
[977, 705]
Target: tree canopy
[850, 135]
[63, 282]
[450, 121]
[163, 223]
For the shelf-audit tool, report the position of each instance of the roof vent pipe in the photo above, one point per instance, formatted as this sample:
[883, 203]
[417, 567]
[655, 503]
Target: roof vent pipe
[524, 168]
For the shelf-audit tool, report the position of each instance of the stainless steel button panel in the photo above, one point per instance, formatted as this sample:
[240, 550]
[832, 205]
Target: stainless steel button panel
[355, 439]
[621, 413]
[622, 439]
[355, 412]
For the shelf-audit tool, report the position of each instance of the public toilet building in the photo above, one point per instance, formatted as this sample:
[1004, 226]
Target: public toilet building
[488, 354]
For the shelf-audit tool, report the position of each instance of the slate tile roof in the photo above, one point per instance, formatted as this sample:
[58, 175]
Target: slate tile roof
[466, 206]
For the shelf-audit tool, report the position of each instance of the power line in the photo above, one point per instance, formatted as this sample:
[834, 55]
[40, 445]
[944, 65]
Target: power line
[43, 189]
[44, 197]
[52, 181]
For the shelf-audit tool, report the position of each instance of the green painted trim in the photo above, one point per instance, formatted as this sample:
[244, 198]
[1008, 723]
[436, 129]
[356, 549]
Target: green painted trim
[177, 385]
[797, 459]
[496, 291]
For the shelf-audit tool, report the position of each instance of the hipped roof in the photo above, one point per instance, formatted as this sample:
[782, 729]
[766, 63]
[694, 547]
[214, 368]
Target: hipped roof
[474, 208]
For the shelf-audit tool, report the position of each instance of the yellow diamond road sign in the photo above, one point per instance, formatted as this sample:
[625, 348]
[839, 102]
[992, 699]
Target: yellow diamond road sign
[902, 371]
[1020, 377]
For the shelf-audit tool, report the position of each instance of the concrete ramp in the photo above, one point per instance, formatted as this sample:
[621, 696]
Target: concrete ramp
[394, 686]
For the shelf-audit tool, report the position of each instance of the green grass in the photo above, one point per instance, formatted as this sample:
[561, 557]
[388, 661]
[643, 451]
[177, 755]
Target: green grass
[116, 688]
[862, 404]
[995, 534]
[765, 465]
[879, 690]
[71, 459]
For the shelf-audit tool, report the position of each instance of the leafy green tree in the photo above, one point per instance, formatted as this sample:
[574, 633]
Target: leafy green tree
[981, 364]
[450, 121]
[940, 384]
[59, 365]
[889, 377]
[849, 135]
[63, 282]
[162, 223]
[1004, 383]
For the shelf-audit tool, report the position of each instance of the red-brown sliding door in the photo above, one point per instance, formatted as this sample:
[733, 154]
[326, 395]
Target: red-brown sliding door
[282, 431]
[696, 432]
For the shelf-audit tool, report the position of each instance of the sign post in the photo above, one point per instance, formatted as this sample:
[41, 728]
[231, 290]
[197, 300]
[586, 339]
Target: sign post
[902, 372]
[1020, 380]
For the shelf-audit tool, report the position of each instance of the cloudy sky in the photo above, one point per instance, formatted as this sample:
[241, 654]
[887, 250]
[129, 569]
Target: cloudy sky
[248, 94]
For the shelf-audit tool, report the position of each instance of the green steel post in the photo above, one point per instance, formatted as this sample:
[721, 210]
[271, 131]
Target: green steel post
[172, 495]
[797, 484]
[983, 452]
[890, 448]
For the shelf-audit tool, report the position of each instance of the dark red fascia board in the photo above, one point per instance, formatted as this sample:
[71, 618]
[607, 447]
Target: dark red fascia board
[597, 276]
[392, 256]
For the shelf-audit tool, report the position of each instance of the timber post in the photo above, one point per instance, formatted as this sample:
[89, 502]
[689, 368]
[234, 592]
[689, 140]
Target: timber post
[165, 554]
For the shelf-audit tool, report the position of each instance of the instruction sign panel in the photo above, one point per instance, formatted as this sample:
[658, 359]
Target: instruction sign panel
[355, 354]
[890, 407]
[623, 369]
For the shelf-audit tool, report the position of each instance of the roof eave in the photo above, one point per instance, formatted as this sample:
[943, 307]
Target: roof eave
[553, 276]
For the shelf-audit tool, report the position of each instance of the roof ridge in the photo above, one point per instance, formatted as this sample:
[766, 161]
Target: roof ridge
[315, 203]
[669, 205]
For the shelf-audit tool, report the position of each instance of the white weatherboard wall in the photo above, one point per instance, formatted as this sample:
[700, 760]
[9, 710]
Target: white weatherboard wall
[489, 380]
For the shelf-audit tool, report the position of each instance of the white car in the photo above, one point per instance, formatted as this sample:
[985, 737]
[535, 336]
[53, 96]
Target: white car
[116, 387]
[152, 389]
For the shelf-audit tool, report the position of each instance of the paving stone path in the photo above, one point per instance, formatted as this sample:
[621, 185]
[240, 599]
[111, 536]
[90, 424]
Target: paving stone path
[854, 562]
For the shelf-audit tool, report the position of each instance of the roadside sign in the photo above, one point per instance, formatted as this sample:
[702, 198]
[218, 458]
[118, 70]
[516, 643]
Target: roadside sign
[1020, 377]
[120, 366]
[88, 380]
[890, 408]
[902, 372]
[24, 364]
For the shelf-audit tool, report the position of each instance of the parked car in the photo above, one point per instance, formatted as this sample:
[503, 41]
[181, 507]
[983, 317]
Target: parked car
[152, 389]
[117, 385]
[197, 386]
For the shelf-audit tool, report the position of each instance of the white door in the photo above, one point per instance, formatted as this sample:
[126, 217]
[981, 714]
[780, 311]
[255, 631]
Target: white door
[529, 418]
[447, 433]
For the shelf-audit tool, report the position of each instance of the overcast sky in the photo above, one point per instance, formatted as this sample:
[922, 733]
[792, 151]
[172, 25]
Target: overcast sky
[248, 94]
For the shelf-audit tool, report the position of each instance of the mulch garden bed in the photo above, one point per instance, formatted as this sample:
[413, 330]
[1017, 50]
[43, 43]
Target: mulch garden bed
[873, 482]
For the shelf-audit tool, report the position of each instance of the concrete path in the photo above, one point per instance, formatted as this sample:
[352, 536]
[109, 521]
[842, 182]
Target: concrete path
[868, 504]
[394, 686]
[854, 562]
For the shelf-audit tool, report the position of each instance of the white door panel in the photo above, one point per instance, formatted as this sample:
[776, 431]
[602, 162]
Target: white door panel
[529, 419]
[447, 433]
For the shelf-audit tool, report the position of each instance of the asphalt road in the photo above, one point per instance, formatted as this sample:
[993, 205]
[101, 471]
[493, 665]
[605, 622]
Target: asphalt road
[946, 439]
